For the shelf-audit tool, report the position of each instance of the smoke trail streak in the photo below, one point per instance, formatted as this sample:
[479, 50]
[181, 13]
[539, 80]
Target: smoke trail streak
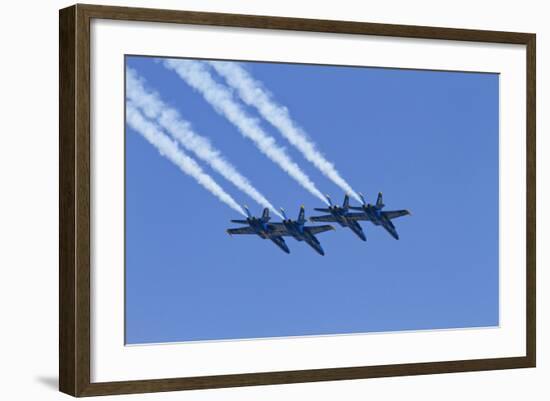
[168, 118]
[169, 149]
[221, 99]
[252, 92]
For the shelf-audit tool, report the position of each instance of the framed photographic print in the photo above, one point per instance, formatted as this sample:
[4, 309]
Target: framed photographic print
[389, 173]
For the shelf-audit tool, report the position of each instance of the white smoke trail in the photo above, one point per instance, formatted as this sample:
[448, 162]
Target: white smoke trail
[252, 92]
[168, 118]
[221, 98]
[169, 149]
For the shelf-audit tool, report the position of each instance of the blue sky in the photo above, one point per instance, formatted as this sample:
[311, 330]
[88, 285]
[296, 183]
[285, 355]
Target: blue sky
[427, 139]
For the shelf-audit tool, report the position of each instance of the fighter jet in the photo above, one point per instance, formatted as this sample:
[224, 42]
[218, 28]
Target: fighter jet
[261, 227]
[340, 215]
[376, 216]
[301, 232]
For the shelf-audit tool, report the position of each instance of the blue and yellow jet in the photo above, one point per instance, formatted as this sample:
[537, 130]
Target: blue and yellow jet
[340, 215]
[377, 216]
[261, 227]
[301, 232]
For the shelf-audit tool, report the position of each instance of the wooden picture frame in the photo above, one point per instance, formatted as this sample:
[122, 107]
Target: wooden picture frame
[74, 200]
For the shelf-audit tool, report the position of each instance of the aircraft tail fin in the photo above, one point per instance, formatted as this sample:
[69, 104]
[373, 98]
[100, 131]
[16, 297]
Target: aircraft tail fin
[362, 198]
[302, 215]
[345, 205]
[379, 201]
[265, 214]
[247, 211]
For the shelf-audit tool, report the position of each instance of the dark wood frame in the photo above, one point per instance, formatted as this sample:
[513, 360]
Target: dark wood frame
[74, 199]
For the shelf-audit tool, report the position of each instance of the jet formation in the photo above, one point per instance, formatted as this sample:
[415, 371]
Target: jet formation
[345, 215]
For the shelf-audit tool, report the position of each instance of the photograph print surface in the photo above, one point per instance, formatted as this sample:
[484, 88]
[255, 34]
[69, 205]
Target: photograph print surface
[269, 199]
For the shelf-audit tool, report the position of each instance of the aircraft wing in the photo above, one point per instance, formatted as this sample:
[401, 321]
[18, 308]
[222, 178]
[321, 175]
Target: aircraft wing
[322, 209]
[357, 216]
[280, 242]
[319, 229]
[327, 217]
[392, 214]
[241, 230]
[278, 229]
